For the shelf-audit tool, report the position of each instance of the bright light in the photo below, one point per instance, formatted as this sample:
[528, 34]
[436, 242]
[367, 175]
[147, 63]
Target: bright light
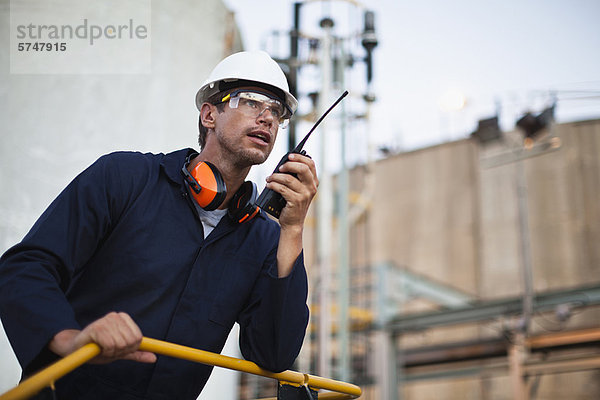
[452, 100]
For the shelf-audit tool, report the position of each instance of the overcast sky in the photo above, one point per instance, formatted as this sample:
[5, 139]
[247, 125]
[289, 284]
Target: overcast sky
[508, 54]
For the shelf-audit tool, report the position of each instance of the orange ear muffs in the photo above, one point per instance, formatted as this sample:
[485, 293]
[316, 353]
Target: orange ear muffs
[207, 184]
[209, 191]
[242, 206]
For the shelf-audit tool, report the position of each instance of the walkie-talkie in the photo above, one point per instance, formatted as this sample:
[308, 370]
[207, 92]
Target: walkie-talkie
[271, 201]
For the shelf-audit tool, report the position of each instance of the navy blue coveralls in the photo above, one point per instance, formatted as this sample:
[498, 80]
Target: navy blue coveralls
[124, 236]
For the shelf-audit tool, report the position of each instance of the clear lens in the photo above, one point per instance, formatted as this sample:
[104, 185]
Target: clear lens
[255, 104]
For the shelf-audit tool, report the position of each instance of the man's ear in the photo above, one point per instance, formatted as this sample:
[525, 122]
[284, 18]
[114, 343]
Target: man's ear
[207, 115]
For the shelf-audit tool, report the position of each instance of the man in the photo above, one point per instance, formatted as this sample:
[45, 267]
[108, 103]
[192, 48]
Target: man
[127, 249]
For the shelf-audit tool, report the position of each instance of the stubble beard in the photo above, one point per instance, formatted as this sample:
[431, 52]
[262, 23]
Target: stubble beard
[242, 157]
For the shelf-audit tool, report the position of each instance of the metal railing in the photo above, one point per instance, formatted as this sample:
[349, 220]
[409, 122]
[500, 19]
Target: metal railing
[47, 377]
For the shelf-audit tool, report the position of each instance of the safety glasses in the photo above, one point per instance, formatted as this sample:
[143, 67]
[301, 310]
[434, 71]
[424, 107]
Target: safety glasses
[254, 104]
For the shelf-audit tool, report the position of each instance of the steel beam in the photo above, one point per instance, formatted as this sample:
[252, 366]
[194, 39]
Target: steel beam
[489, 310]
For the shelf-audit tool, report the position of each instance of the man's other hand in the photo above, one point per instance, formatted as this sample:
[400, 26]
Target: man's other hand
[116, 333]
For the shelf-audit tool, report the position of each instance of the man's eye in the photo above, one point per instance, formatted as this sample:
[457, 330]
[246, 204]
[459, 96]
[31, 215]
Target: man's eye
[250, 103]
[276, 113]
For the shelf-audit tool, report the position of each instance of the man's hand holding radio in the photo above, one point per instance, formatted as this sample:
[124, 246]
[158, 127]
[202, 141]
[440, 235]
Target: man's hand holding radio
[298, 191]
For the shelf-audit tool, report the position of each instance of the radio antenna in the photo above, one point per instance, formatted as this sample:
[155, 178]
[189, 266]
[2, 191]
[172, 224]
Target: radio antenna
[301, 144]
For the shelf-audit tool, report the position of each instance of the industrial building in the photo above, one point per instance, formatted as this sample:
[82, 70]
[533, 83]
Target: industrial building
[452, 240]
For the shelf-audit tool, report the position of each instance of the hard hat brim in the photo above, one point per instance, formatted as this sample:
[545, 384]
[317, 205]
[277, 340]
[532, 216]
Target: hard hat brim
[256, 68]
[209, 90]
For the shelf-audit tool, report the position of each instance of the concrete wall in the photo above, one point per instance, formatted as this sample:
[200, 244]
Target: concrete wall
[563, 188]
[447, 215]
[53, 126]
[424, 213]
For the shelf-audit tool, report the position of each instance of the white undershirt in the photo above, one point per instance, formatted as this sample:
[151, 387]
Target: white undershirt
[210, 219]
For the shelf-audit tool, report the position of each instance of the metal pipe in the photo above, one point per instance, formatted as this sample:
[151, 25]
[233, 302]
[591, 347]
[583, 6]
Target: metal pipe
[51, 374]
[325, 208]
[527, 267]
[343, 237]
[48, 376]
[293, 70]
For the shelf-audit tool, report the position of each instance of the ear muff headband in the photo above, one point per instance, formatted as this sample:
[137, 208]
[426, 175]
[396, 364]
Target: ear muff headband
[242, 206]
[209, 189]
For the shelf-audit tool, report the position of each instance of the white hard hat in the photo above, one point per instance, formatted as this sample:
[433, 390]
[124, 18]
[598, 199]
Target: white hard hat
[253, 66]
